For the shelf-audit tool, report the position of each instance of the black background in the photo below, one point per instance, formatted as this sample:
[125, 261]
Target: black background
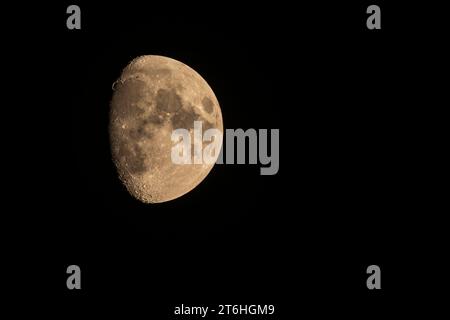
[345, 196]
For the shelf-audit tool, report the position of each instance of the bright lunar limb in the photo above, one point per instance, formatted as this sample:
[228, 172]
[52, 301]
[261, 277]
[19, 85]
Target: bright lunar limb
[153, 96]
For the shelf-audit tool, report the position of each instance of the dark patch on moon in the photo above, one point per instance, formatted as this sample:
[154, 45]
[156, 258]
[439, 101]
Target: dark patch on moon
[126, 97]
[155, 119]
[133, 155]
[134, 134]
[184, 118]
[168, 101]
[141, 130]
[208, 104]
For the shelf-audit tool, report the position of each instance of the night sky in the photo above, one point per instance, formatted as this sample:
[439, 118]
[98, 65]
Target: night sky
[343, 198]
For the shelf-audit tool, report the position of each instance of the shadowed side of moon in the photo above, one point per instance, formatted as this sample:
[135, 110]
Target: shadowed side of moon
[153, 96]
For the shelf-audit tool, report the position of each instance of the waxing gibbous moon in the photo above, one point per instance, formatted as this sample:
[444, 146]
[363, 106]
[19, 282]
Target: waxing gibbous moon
[153, 96]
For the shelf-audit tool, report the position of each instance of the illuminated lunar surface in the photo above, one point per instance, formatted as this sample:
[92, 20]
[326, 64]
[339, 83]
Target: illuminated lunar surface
[153, 96]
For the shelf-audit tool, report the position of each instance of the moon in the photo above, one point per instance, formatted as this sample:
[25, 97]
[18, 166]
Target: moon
[153, 96]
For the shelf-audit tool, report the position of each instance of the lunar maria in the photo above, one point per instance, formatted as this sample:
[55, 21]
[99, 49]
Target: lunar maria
[189, 149]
